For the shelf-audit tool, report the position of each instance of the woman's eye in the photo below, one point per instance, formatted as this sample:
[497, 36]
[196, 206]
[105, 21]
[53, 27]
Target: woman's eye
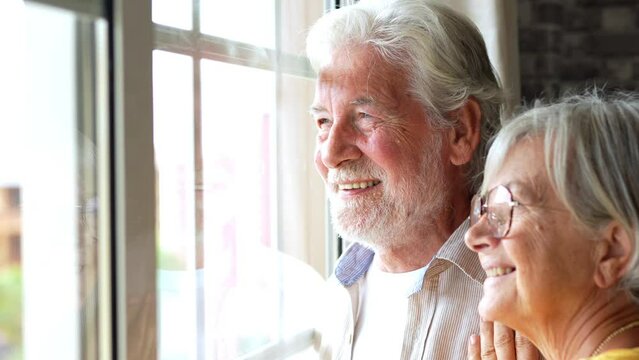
[496, 217]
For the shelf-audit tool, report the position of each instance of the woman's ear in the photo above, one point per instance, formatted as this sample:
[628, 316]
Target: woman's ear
[614, 252]
[465, 136]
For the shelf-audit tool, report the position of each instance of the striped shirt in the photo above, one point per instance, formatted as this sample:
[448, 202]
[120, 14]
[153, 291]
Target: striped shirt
[442, 313]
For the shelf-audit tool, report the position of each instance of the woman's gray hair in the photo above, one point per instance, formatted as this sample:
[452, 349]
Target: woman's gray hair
[591, 151]
[441, 53]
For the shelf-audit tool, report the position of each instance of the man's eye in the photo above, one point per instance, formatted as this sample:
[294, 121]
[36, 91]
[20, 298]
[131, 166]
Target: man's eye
[363, 115]
[322, 122]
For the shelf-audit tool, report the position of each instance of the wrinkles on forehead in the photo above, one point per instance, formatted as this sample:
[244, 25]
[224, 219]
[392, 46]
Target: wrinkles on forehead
[372, 81]
[528, 180]
[531, 190]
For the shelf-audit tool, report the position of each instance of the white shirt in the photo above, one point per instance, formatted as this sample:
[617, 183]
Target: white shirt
[383, 308]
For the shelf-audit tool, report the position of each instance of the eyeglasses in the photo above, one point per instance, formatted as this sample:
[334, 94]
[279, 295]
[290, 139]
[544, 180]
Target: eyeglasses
[498, 204]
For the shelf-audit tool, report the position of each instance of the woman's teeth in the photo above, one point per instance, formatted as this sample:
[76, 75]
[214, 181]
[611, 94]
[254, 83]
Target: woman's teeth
[499, 271]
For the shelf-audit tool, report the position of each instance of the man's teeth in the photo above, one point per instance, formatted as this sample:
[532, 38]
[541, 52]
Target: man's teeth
[357, 185]
[499, 271]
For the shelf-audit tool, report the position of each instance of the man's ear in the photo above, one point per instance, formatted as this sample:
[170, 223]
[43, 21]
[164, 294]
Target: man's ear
[465, 136]
[613, 255]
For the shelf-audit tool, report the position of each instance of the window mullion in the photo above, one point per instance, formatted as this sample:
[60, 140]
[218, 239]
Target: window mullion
[134, 177]
[234, 52]
[199, 181]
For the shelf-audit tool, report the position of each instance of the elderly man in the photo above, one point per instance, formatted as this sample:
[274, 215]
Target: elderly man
[406, 99]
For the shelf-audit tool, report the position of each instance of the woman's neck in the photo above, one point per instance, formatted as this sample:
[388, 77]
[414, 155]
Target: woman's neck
[579, 336]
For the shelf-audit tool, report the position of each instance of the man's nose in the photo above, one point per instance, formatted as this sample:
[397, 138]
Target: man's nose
[340, 145]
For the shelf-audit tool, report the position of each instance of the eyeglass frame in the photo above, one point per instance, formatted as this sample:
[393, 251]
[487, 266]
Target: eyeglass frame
[479, 208]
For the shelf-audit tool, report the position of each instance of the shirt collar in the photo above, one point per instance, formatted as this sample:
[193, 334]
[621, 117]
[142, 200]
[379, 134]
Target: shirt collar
[456, 252]
[354, 263]
[356, 260]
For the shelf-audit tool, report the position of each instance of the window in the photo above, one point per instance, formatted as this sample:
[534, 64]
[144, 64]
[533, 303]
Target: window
[54, 286]
[196, 232]
[240, 211]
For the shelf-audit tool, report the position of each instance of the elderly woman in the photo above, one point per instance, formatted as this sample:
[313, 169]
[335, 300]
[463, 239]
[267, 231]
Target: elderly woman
[556, 227]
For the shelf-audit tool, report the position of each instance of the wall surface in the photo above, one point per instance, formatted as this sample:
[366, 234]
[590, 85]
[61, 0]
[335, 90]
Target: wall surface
[572, 44]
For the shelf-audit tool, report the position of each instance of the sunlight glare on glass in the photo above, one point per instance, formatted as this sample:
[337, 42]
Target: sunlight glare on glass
[12, 67]
[247, 21]
[237, 159]
[173, 139]
[174, 142]
[174, 13]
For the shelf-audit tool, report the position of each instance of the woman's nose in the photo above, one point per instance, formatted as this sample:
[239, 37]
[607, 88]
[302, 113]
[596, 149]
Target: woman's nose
[479, 236]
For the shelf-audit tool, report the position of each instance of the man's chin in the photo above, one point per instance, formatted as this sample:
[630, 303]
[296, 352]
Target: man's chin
[368, 232]
[373, 224]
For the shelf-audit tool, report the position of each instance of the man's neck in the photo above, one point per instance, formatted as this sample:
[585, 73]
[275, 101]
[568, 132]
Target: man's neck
[419, 245]
[416, 249]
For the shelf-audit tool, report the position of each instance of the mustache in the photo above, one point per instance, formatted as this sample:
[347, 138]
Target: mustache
[362, 169]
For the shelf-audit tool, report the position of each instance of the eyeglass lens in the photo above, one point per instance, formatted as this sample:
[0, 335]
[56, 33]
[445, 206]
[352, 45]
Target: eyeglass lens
[498, 209]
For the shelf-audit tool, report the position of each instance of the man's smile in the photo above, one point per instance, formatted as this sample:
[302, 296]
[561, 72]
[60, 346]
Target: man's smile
[357, 185]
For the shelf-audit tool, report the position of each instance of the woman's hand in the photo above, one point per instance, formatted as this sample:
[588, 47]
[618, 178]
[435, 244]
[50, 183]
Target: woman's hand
[499, 342]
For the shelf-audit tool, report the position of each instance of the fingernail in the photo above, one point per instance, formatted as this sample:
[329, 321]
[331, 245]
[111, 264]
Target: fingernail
[473, 339]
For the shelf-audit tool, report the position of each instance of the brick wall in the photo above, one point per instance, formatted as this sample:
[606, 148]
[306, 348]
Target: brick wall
[567, 44]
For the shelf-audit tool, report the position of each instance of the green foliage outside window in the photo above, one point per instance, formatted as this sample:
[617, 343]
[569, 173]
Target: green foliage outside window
[11, 312]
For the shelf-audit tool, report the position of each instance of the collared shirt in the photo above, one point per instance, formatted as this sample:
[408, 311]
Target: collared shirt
[441, 315]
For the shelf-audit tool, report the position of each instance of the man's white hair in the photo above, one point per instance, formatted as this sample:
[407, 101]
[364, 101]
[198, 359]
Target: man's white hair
[439, 51]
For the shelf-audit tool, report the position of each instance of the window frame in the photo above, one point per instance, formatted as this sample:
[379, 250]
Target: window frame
[135, 324]
[91, 8]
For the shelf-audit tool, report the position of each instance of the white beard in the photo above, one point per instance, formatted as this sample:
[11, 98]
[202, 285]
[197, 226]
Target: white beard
[385, 215]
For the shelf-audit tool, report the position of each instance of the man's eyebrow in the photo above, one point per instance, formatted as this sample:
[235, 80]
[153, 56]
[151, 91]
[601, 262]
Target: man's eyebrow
[316, 109]
[366, 100]
[313, 110]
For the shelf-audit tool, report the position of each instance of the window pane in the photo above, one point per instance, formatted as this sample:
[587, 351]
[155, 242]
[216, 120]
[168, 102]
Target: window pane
[243, 242]
[238, 217]
[296, 17]
[48, 186]
[248, 21]
[255, 295]
[303, 198]
[174, 13]
[174, 147]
